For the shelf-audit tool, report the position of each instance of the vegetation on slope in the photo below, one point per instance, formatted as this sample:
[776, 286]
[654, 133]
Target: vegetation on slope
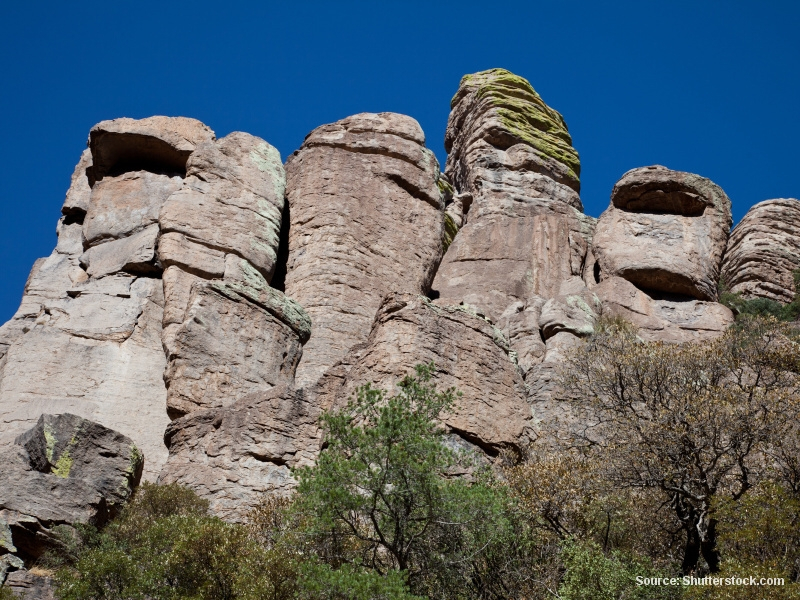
[670, 460]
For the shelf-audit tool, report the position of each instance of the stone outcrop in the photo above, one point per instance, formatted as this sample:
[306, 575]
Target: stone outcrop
[367, 219]
[521, 254]
[764, 251]
[233, 455]
[158, 289]
[659, 249]
[203, 305]
[470, 354]
[664, 318]
[234, 340]
[28, 586]
[665, 231]
[64, 470]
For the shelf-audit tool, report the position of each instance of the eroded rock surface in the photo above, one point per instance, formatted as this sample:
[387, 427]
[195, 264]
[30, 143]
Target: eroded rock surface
[234, 340]
[764, 251]
[521, 254]
[233, 455]
[665, 231]
[66, 469]
[367, 219]
[470, 354]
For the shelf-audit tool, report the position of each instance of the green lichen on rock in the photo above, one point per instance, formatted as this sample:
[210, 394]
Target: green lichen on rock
[6, 540]
[450, 231]
[524, 114]
[50, 442]
[135, 460]
[63, 465]
[275, 302]
[444, 187]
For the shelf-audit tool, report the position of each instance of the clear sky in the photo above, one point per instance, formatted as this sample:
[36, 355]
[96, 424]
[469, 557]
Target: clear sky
[701, 86]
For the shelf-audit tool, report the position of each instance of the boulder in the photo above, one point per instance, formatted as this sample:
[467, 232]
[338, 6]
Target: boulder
[65, 470]
[367, 218]
[764, 251]
[234, 455]
[664, 231]
[234, 340]
[470, 355]
[29, 586]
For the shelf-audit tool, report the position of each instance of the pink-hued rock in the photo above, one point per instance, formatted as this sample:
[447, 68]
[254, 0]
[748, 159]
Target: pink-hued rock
[665, 231]
[764, 251]
[470, 354]
[367, 218]
[667, 319]
[234, 340]
[232, 456]
[158, 144]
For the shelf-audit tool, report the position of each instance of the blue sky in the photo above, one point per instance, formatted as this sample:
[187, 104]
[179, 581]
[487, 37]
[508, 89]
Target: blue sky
[701, 86]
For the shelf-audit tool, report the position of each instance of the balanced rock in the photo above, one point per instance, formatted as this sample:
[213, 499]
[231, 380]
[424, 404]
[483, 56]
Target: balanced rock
[232, 456]
[764, 251]
[65, 470]
[469, 353]
[367, 219]
[664, 231]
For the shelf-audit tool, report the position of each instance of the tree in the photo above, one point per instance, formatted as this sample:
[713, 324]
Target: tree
[388, 495]
[694, 422]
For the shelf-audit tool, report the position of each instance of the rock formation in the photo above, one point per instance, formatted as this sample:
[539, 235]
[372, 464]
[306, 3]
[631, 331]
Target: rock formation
[64, 470]
[764, 251]
[665, 231]
[156, 299]
[659, 249]
[203, 306]
[469, 352]
[233, 455]
[367, 219]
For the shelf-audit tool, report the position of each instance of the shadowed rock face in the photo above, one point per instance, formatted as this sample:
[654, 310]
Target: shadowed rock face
[64, 470]
[367, 218]
[665, 231]
[764, 251]
[470, 354]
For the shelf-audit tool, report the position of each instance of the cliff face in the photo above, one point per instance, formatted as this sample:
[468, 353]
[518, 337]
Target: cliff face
[208, 302]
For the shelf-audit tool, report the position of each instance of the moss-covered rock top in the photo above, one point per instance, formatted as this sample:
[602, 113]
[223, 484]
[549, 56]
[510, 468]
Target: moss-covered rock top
[523, 113]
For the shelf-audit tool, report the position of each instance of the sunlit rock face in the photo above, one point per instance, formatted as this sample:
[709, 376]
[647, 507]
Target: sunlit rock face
[764, 251]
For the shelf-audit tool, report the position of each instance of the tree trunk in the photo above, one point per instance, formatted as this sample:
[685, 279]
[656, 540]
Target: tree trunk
[709, 546]
[691, 552]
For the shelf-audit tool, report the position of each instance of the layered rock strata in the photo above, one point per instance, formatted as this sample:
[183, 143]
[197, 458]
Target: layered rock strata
[664, 231]
[659, 249]
[470, 354]
[157, 295]
[234, 455]
[367, 219]
[764, 251]
[64, 470]
[521, 255]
